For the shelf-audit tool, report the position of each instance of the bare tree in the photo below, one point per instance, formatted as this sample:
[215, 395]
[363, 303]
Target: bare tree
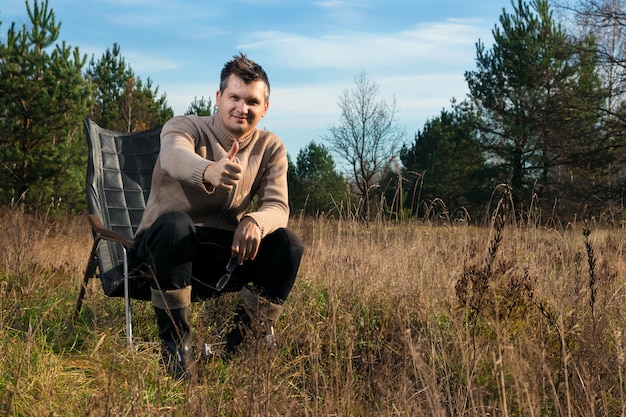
[366, 136]
[605, 20]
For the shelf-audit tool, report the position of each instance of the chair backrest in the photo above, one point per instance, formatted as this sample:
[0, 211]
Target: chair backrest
[119, 175]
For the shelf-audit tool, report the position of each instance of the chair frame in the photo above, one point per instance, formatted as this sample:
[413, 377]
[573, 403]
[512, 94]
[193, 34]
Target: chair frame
[110, 163]
[102, 233]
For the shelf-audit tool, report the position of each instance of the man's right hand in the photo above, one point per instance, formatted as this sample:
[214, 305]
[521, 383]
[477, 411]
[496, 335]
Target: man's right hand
[224, 173]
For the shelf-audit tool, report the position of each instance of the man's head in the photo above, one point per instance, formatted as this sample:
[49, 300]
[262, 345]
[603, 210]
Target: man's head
[243, 97]
[247, 70]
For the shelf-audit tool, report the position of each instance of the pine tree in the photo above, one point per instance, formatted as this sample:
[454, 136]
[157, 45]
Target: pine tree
[537, 92]
[314, 184]
[109, 76]
[122, 101]
[445, 163]
[201, 107]
[43, 97]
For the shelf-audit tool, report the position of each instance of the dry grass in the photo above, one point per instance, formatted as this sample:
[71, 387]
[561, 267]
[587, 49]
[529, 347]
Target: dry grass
[385, 320]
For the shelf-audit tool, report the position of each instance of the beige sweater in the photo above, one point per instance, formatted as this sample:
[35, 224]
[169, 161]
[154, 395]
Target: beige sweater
[188, 145]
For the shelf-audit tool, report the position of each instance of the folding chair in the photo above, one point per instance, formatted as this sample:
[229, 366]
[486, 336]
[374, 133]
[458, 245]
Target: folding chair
[119, 175]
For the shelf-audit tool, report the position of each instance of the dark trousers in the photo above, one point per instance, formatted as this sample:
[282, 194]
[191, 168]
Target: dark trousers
[179, 254]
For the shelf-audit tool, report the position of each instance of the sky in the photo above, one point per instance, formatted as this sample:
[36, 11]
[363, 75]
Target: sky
[415, 51]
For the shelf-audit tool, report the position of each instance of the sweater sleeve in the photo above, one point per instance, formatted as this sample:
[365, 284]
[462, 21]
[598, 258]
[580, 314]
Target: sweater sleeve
[178, 155]
[273, 209]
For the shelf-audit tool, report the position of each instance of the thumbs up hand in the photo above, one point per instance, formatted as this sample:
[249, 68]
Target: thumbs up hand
[224, 173]
[233, 151]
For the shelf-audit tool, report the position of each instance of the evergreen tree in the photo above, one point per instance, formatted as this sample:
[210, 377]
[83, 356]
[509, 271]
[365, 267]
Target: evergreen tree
[109, 76]
[141, 106]
[446, 163]
[605, 22]
[315, 186]
[122, 101]
[537, 92]
[43, 97]
[200, 107]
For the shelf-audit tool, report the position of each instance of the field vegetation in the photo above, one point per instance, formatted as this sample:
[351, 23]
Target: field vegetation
[386, 319]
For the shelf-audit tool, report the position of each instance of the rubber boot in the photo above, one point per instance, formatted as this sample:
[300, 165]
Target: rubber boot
[175, 334]
[176, 345]
[254, 320]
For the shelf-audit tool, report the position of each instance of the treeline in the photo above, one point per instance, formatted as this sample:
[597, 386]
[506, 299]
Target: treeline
[46, 89]
[543, 124]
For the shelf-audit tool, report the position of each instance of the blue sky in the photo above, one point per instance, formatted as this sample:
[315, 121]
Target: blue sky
[415, 50]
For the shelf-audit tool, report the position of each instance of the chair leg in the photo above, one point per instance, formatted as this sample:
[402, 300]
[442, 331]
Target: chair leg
[129, 324]
[89, 273]
[81, 295]
[92, 264]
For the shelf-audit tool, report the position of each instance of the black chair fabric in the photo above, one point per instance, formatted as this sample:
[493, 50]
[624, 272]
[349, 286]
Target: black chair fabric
[119, 175]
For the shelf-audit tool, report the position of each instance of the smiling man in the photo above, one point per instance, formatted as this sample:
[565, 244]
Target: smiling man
[198, 236]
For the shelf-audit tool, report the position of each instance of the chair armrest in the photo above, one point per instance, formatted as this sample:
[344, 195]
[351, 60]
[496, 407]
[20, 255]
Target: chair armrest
[98, 227]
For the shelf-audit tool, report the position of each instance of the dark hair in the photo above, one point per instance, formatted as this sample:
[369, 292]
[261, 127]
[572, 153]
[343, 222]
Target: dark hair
[246, 69]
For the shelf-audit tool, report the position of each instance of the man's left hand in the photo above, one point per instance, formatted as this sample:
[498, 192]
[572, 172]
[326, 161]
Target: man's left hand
[246, 240]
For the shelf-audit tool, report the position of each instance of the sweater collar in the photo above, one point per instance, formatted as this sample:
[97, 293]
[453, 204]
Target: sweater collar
[224, 136]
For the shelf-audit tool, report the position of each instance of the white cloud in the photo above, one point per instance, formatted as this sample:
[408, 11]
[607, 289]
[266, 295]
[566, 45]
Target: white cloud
[423, 67]
[304, 112]
[181, 49]
[181, 93]
[148, 4]
[428, 45]
[149, 63]
[344, 10]
[144, 63]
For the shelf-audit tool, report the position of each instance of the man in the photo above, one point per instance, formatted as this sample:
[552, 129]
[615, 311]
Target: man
[198, 226]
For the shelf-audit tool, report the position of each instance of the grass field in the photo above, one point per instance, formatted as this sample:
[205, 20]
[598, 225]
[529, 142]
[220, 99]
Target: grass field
[388, 319]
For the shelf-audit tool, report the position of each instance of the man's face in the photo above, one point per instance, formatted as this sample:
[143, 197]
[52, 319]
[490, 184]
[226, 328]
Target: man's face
[241, 106]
